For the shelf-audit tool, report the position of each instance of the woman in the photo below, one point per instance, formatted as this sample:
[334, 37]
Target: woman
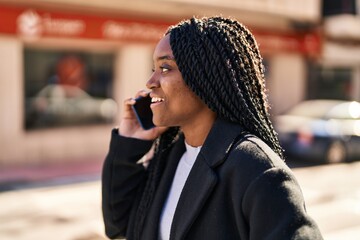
[217, 170]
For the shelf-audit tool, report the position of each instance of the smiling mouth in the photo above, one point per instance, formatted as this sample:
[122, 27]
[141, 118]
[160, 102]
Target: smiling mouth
[157, 99]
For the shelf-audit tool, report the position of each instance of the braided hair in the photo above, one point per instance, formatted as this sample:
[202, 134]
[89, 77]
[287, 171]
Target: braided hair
[220, 62]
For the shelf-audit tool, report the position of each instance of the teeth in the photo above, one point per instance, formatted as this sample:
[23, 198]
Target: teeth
[157, 99]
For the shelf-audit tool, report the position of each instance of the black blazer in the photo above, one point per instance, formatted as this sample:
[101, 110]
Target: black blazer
[238, 188]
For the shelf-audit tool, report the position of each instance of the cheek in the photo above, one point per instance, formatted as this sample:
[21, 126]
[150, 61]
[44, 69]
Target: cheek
[175, 88]
[180, 96]
[183, 93]
[188, 100]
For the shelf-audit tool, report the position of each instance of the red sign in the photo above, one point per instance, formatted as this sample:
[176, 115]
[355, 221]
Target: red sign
[35, 24]
[308, 43]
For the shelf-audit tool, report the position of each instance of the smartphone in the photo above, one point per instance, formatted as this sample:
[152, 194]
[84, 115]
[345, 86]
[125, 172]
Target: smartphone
[143, 112]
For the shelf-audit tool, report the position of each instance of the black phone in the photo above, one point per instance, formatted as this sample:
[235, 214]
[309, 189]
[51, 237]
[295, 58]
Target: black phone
[143, 112]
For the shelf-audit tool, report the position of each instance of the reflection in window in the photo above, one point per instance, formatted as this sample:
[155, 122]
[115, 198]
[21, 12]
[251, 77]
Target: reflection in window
[339, 7]
[67, 88]
[329, 83]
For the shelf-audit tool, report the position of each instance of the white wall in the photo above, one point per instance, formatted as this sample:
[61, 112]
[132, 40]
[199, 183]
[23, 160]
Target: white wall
[133, 68]
[10, 97]
[287, 81]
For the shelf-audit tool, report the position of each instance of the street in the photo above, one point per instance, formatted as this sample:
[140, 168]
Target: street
[73, 211]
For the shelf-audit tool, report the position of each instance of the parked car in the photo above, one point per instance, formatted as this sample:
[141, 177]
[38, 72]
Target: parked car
[321, 130]
[60, 105]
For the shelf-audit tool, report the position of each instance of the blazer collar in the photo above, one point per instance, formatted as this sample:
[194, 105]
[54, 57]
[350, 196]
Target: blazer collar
[221, 137]
[202, 177]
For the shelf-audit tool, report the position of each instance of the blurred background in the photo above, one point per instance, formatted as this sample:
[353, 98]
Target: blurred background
[67, 65]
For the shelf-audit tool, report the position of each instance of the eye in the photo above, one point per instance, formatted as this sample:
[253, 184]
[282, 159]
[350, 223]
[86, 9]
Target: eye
[164, 69]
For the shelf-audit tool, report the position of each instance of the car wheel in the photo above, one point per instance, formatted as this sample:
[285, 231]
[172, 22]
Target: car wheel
[336, 152]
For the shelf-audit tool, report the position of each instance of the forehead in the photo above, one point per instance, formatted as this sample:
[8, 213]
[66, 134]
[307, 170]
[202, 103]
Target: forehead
[163, 48]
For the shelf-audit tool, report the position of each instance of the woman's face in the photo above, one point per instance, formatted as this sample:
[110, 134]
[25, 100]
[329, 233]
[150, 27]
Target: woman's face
[173, 103]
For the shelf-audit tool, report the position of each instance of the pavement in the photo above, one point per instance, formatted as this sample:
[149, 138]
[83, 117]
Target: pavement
[64, 202]
[332, 195]
[57, 202]
[66, 212]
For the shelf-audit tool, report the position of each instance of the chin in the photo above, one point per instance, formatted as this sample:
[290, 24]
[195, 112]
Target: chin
[158, 123]
[161, 124]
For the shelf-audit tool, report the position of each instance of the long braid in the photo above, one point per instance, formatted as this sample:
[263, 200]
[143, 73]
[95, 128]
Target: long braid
[254, 61]
[263, 104]
[155, 169]
[220, 61]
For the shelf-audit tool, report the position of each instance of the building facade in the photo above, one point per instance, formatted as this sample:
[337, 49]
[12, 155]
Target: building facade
[337, 75]
[66, 66]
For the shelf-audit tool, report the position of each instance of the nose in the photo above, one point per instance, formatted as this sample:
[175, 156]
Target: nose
[153, 81]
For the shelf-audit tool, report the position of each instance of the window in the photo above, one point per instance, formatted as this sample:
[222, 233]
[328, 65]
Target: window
[65, 88]
[334, 7]
[329, 83]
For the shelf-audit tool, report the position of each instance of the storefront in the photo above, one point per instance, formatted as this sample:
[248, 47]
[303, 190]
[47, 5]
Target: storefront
[340, 66]
[337, 75]
[64, 75]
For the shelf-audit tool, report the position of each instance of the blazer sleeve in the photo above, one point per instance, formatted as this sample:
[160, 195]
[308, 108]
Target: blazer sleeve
[275, 209]
[121, 179]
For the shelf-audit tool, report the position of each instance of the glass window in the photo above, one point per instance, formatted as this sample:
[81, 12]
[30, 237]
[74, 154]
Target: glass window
[331, 7]
[329, 83]
[65, 88]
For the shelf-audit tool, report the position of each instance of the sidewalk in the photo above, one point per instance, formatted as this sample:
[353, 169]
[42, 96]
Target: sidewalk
[62, 212]
[59, 201]
[13, 178]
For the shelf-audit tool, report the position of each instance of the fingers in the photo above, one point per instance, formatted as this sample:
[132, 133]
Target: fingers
[131, 101]
[128, 113]
[142, 93]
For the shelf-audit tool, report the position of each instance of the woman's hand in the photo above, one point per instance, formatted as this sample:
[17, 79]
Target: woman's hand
[129, 125]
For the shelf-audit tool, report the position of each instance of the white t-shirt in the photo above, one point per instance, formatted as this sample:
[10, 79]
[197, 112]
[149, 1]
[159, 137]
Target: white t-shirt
[182, 172]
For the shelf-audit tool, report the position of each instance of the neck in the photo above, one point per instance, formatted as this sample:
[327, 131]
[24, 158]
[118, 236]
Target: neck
[196, 133]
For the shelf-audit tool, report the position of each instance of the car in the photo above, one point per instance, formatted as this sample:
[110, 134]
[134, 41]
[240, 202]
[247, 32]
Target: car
[62, 105]
[321, 130]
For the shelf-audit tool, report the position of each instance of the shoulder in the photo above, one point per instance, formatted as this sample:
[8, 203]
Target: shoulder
[252, 148]
[251, 157]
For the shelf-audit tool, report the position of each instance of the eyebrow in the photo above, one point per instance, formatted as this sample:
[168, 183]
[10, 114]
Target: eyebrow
[166, 57]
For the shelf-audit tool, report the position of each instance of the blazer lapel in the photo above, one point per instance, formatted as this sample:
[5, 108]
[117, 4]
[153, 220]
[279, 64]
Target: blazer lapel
[193, 197]
[151, 228]
[202, 177]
